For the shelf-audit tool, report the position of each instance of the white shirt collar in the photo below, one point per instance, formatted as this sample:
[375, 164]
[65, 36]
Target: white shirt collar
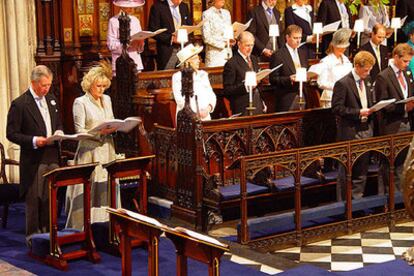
[373, 44]
[291, 50]
[35, 96]
[356, 77]
[265, 6]
[308, 8]
[170, 4]
[243, 56]
[395, 68]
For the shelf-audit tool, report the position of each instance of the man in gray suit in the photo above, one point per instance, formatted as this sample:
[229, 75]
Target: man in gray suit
[351, 102]
[32, 117]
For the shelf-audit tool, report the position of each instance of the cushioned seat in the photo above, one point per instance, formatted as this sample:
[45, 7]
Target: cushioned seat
[233, 191]
[288, 182]
[330, 176]
[41, 242]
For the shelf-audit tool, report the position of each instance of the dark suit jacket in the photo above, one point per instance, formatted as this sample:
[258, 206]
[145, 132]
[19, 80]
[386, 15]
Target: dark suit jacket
[328, 12]
[292, 19]
[384, 59]
[24, 121]
[259, 27]
[161, 17]
[234, 73]
[346, 105]
[388, 87]
[286, 92]
[405, 8]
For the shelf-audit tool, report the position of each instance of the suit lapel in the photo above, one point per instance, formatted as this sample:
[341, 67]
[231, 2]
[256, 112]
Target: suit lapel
[242, 63]
[302, 58]
[169, 16]
[289, 60]
[352, 84]
[51, 104]
[35, 112]
[335, 9]
[263, 18]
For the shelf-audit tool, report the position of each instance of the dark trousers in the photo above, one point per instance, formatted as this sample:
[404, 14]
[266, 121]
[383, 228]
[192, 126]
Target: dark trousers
[37, 200]
[359, 172]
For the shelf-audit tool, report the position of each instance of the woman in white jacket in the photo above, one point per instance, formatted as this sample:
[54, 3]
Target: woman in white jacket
[216, 20]
[206, 99]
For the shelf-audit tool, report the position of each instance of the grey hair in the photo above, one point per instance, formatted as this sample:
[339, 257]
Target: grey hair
[40, 71]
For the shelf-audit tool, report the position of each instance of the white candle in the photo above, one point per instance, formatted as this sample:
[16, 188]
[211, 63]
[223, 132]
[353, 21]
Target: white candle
[182, 37]
[250, 82]
[273, 33]
[395, 24]
[301, 77]
[228, 35]
[359, 28]
[318, 30]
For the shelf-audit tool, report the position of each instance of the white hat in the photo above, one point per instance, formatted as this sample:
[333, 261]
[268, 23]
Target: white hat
[341, 38]
[188, 52]
[129, 3]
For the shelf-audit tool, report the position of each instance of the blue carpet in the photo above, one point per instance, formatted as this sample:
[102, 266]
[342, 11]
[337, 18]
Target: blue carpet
[306, 270]
[14, 251]
[396, 267]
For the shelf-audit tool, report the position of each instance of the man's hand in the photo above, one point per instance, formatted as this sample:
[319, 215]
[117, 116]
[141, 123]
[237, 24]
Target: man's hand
[409, 106]
[293, 78]
[267, 52]
[174, 38]
[41, 141]
[365, 112]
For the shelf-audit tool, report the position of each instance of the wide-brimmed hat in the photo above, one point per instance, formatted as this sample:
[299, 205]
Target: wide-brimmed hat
[341, 38]
[128, 3]
[408, 28]
[188, 52]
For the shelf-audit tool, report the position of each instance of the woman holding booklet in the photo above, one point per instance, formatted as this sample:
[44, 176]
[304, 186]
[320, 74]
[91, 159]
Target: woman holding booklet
[204, 99]
[90, 110]
[114, 45]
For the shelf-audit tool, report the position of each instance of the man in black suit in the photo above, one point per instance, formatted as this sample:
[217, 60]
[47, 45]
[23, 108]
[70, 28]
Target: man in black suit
[234, 73]
[168, 14]
[262, 16]
[404, 8]
[394, 83]
[379, 51]
[330, 11]
[32, 117]
[351, 102]
[283, 79]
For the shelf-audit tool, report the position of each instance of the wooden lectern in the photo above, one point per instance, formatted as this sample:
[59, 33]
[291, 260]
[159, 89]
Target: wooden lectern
[197, 248]
[188, 244]
[136, 229]
[120, 168]
[62, 177]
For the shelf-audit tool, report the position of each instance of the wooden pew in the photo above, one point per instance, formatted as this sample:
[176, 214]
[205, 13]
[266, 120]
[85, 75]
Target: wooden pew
[217, 144]
[296, 160]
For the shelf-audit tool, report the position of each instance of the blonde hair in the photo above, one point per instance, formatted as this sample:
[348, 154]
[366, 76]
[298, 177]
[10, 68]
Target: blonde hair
[364, 58]
[94, 74]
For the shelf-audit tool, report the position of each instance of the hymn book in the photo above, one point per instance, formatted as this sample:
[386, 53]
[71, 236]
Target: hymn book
[238, 27]
[120, 125]
[76, 137]
[146, 34]
[191, 29]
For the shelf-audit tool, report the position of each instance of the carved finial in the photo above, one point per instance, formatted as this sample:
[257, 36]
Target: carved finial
[187, 84]
[124, 29]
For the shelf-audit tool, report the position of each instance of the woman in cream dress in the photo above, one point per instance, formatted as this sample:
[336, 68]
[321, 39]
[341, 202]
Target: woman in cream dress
[206, 98]
[216, 20]
[88, 111]
[334, 66]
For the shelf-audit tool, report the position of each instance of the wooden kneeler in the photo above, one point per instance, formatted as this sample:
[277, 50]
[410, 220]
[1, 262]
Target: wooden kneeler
[61, 177]
[121, 168]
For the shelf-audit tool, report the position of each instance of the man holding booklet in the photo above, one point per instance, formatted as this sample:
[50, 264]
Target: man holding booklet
[394, 83]
[351, 103]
